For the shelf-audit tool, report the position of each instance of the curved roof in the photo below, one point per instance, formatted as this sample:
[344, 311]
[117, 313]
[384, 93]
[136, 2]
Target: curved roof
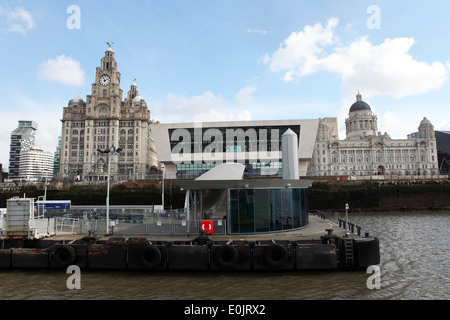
[359, 106]
[138, 99]
[77, 99]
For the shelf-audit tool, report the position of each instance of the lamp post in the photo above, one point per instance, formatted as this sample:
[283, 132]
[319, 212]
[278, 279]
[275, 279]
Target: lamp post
[45, 195]
[110, 151]
[162, 194]
[346, 220]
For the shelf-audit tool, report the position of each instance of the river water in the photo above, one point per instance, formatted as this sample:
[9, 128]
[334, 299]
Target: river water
[415, 255]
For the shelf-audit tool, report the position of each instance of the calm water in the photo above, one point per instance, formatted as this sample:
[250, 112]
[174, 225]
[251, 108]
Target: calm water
[415, 255]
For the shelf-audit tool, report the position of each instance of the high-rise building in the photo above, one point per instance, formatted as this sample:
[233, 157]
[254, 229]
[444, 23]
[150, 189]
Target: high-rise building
[104, 121]
[35, 165]
[22, 139]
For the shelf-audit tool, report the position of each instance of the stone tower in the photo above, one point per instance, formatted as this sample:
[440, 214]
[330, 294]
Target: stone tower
[103, 121]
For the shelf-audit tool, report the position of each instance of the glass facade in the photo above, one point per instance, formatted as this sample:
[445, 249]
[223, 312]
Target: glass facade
[231, 139]
[254, 169]
[243, 144]
[264, 210]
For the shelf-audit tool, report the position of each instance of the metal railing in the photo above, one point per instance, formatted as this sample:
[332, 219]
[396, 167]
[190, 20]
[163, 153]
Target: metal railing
[158, 225]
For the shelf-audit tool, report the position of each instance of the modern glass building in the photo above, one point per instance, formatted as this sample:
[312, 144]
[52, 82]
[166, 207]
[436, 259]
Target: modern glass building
[266, 210]
[191, 149]
[252, 205]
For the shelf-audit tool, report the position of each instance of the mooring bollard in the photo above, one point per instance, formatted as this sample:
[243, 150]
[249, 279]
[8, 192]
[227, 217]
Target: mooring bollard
[358, 228]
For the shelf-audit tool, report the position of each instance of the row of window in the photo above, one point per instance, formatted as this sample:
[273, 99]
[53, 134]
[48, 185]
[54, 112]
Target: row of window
[102, 131]
[379, 159]
[370, 173]
[101, 124]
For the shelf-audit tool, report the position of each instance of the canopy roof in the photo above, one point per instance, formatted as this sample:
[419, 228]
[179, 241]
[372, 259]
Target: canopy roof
[242, 184]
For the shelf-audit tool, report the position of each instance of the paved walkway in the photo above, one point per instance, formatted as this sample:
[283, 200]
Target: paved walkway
[315, 229]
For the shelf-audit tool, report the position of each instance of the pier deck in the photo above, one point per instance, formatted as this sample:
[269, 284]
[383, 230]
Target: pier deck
[315, 229]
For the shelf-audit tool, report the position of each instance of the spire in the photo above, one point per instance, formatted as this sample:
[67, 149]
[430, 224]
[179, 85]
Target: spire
[133, 92]
[358, 97]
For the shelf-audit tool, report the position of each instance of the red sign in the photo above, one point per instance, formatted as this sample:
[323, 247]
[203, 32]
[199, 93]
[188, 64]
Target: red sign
[207, 225]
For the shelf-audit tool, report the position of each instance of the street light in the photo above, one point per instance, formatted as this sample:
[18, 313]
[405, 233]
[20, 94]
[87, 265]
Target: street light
[347, 232]
[162, 194]
[110, 152]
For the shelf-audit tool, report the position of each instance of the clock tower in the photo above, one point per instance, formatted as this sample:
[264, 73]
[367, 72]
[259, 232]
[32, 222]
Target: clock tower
[103, 121]
[106, 92]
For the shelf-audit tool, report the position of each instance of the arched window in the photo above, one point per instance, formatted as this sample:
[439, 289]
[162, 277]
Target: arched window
[379, 156]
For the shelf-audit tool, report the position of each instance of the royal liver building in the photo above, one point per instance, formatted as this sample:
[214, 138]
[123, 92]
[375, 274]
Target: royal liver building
[105, 121]
[366, 152]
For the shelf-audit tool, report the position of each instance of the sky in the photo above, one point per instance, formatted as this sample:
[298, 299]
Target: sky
[228, 60]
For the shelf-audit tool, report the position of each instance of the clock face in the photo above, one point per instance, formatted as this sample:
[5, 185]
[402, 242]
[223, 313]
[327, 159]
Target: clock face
[104, 80]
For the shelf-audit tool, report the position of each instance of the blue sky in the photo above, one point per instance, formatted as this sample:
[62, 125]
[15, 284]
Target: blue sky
[217, 60]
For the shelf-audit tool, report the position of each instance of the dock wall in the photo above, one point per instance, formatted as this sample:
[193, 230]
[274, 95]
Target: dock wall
[377, 196]
[323, 195]
[199, 254]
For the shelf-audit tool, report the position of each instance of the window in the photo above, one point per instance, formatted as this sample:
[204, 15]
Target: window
[263, 210]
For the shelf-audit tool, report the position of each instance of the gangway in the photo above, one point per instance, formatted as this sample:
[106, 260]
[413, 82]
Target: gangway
[22, 222]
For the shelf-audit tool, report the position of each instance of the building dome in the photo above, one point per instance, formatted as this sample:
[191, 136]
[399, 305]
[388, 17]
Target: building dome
[77, 99]
[425, 121]
[359, 105]
[138, 99]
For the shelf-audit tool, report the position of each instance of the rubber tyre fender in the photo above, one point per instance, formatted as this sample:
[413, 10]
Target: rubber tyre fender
[226, 256]
[64, 255]
[151, 257]
[276, 255]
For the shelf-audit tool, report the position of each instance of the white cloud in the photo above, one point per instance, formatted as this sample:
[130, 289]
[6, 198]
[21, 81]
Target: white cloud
[443, 125]
[16, 20]
[62, 69]
[301, 49]
[384, 69]
[201, 108]
[398, 125]
[245, 96]
[259, 31]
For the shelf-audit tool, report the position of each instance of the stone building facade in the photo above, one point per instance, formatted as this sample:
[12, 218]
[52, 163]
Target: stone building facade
[103, 121]
[366, 152]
